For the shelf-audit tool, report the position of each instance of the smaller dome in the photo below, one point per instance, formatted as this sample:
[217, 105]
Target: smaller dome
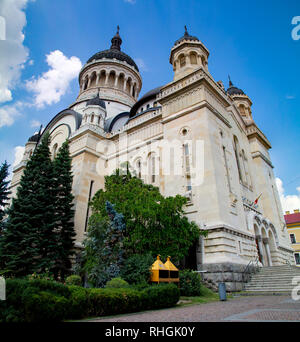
[34, 138]
[186, 36]
[96, 101]
[232, 90]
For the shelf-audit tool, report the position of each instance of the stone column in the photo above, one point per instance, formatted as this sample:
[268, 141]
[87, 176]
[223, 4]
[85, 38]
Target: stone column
[260, 247]
[116, 81]
[106, 78]
[266, 243]
[89, 82]
[98, 77]
[125, 83]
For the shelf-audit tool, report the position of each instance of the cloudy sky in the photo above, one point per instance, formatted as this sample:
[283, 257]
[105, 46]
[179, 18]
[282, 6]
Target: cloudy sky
[43, 45]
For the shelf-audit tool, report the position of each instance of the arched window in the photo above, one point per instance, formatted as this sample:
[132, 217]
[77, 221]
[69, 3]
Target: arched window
[182, 61]
[93, 79]
[92, 118]
[152, 168]
[139, 168]
[242, 110]
[193, 58]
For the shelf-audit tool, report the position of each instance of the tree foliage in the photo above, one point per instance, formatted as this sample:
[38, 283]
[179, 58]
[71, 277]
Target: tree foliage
[4, 191]
[154, 223]
[39, 229]
[103, 253]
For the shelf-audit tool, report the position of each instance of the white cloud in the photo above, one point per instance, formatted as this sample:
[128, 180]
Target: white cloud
[141, 64]
[19, 152]
[53, 84]
[35, 123]
[13, 54]
[288, 202]
[132, 2]
[9, 113]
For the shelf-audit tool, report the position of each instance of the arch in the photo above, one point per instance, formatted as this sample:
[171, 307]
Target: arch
[93, 78]
[242, 109]
[193, 57]
[134, 90]
[121, 81]
[128, 85]
[102, 78]
[85, 83]
[111, 78]
[203, 61]
[182, 60]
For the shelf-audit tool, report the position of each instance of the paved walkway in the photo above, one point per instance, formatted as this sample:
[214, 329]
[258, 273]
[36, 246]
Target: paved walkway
[238, 309]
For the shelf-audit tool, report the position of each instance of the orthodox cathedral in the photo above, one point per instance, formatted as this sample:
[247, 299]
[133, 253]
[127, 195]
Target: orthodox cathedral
[191, 137]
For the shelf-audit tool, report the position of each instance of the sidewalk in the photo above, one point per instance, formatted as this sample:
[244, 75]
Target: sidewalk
[238, 309]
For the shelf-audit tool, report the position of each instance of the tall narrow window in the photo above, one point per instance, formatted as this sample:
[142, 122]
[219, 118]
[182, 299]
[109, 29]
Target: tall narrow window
[54, 151]
[152, 169]
[88, 206]
[226, 167]
[187, 167]
[236, 152]
[139, 168]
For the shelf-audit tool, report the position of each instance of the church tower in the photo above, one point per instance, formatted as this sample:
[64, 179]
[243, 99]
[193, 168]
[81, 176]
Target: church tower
[187, 55]
[111, 75]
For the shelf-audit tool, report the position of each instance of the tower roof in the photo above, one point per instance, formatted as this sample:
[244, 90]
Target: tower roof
[232, 90]
[96, 101]
[114, 52]
[186, 36]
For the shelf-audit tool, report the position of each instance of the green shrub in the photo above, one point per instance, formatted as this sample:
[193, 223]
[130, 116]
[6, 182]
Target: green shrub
[190, 283]
[44, 306]
[160, 296]
[40, 300]
[136, 268]
[114, 301]
[79, 302]
[117, 283]
[74, 280]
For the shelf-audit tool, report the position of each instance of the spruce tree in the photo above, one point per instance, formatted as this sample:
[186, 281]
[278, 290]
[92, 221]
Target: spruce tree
[64, 213]
[4, 192]
[28, 243]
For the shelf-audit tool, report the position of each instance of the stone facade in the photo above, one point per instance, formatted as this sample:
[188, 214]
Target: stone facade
[189, 137]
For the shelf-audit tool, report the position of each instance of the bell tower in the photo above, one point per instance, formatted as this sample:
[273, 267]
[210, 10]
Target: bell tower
[187, 55]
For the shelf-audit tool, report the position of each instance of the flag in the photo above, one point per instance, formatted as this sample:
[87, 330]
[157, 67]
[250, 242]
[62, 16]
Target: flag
[255, 202]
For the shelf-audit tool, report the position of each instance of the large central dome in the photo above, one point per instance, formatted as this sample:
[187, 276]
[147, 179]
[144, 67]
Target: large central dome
[114, 52]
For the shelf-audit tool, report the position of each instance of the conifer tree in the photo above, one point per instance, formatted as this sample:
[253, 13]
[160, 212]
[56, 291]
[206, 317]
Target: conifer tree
[64, 213]
[28, 243]
[4, 192]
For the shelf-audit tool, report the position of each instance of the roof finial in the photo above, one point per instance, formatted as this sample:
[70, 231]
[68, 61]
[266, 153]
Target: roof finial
[186, 32]
[230, 83]
[116, 41]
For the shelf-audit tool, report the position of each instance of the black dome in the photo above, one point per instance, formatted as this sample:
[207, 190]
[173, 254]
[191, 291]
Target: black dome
[111, 54]
[96, 101]
[232, 90]
[114, 52]
[186, 36]
[34, 138]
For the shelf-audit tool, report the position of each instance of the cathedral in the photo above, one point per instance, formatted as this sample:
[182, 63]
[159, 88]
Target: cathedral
[191, 137]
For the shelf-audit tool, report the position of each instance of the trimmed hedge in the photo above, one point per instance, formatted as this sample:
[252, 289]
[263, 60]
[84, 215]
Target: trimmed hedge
[190, 283]
[49, 301]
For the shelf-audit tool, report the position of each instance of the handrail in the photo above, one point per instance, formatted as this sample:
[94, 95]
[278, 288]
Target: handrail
[254, 262]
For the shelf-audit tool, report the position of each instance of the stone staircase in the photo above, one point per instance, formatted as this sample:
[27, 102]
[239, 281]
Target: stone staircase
[273, 280]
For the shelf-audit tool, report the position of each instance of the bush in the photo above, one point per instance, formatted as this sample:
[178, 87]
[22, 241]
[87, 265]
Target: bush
[79, 302]
[160, 296]
[136, 269]
[40, 300]
[117, 283]
[190, 283]
[74, 280]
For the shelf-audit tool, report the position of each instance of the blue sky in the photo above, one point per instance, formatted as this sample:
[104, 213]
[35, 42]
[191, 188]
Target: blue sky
[250, 40]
